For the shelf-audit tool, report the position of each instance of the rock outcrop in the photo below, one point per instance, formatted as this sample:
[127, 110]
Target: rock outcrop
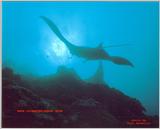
[78, 103]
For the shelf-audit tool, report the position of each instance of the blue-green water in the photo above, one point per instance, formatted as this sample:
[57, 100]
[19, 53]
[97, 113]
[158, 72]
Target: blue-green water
[31, 48]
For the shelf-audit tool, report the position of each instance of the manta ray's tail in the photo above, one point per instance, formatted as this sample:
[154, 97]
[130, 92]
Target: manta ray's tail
[120, 61]
[55, 29]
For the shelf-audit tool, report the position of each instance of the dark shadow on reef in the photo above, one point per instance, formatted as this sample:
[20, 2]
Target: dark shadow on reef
[83, 104]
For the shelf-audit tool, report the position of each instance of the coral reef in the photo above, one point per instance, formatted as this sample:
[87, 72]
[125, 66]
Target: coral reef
[83, 104]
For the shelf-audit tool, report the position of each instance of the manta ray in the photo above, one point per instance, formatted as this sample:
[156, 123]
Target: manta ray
[88, 53]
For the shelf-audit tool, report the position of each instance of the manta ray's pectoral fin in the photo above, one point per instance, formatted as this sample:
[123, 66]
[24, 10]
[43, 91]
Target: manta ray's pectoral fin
[120, 61]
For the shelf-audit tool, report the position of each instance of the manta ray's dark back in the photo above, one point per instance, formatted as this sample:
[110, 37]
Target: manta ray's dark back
[86, 52]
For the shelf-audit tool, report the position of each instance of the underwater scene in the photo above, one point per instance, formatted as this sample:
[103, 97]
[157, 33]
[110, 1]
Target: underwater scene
[80, 64]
